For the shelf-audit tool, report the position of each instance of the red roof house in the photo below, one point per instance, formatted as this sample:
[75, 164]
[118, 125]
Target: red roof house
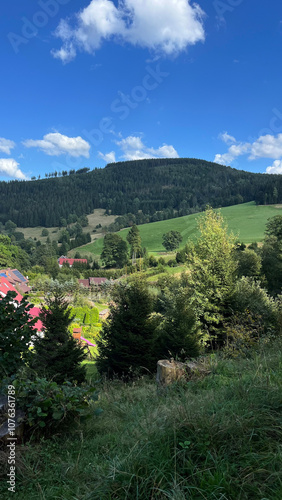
[34, 312]
[6, 286]
[70, 262]
[92, 282]
[16, 278]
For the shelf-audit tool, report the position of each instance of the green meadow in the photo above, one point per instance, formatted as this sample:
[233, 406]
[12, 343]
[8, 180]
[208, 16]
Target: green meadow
[247, 221]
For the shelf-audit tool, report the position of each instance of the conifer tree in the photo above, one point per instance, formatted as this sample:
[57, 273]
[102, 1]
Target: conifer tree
[58, 356]
[128, 339]
[134, 240]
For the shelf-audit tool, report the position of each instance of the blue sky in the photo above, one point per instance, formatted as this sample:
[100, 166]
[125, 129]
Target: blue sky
[88, 82]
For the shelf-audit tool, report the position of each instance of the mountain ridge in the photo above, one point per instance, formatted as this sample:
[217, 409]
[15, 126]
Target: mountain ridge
[167, 187]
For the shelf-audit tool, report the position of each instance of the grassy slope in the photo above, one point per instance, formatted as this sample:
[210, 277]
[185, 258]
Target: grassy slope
[246, 220]
[229, 424]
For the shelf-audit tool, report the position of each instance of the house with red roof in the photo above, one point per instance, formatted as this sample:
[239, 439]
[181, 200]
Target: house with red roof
[16, 278]
[91, 282]
[6, 286]
[70, 262]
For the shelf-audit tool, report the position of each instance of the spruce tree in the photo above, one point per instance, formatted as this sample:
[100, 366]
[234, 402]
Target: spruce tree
[134, 240]
[58, 356]
[128, 339]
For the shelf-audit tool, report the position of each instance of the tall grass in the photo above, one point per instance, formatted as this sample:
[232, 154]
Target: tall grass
[216, 438]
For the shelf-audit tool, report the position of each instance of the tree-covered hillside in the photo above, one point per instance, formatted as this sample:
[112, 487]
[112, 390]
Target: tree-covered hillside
[172, 187]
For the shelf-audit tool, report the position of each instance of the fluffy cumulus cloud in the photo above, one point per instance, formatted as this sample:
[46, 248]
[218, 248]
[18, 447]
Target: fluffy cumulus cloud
[233, 152]
[276, 168]
[165, 26]
[10, 168]
[108, 157]
[6, 146]
[266, 146]
[133, 148]
[56, 144]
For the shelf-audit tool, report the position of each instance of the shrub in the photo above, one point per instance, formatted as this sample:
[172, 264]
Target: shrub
[249, 295]
[152, 261]
[16, 331]
[243, 331]
[249, 263]
[47, 404]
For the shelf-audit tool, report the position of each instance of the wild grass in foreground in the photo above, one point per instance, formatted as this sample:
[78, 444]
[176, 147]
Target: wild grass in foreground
[218, 438]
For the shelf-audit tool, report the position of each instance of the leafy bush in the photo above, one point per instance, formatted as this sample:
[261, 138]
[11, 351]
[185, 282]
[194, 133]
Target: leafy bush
[47, 404]
[248, 294]
[249, 263]
[243, 331]
[16, 331]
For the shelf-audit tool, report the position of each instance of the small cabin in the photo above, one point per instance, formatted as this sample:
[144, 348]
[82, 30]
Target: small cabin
[77, 333]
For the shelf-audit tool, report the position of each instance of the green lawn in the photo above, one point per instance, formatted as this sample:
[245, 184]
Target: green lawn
[247, 221]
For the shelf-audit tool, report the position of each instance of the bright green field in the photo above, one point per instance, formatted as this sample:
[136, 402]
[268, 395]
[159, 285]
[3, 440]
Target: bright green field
[247, 221]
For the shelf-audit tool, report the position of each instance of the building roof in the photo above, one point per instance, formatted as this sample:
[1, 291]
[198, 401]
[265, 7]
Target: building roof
[13, 275]
[84, 282]
[77, 330]
[34, 312]
[97, 281]
[6, 286]
[71, 261]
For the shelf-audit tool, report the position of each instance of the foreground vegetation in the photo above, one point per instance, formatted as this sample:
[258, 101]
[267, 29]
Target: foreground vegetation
[216, 438]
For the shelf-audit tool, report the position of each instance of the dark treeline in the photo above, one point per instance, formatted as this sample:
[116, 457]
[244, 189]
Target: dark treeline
[174, 187]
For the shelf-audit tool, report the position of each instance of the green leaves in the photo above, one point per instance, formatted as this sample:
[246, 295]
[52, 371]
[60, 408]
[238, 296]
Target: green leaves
[172, 240]
[48, 404]
[16, 330]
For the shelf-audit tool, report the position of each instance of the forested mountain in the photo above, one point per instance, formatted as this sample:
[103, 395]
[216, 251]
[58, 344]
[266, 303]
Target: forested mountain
[167, 187]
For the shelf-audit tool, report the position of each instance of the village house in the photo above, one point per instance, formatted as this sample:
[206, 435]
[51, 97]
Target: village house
[92, 282]
[17, 279]
[64, 260]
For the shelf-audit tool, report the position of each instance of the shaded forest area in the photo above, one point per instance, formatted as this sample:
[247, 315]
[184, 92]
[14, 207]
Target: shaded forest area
[154, 189]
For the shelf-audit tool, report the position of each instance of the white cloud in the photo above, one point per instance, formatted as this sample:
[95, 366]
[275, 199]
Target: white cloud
[133, 148]
[108, 157]
[56, 144]
[165, 26]
[267, 146]
[233, 152]
[6, 145]
[276, 168]
[9, 167]
[228, 139]
[67, 53]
